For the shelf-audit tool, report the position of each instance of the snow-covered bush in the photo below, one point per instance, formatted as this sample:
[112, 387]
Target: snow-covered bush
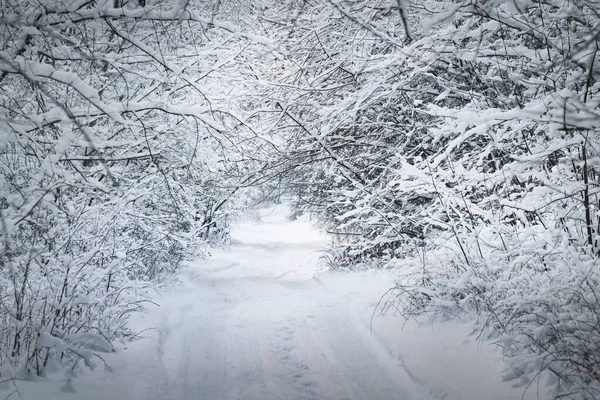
[539, 302]
[464, 150]
[120, 156]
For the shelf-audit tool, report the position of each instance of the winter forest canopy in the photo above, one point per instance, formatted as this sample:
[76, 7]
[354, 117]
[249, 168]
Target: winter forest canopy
[457, 141]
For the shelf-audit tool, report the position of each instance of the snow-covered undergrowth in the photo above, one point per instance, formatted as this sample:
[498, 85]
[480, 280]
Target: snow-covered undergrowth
[121, 156]
[466, 153]
[541, 306]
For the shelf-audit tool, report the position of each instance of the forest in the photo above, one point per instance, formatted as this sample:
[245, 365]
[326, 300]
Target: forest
[456, 142]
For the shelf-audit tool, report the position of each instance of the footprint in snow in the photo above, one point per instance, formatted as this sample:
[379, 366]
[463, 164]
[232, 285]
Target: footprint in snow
[302, 365]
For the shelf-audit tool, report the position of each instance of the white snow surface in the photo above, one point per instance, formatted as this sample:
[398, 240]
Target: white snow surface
[262, 319]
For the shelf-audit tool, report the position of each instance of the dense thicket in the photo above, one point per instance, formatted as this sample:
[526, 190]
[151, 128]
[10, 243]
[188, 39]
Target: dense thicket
[121, 154]
[459, 141]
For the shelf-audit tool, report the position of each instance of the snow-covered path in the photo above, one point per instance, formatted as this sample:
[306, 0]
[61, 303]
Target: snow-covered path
[259, 320]
[251, 323]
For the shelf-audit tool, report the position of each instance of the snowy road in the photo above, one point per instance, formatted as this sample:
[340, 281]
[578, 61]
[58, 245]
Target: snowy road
[251, 323]
[258, 321]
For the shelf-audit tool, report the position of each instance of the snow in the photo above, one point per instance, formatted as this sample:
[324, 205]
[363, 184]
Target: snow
[263, 319]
